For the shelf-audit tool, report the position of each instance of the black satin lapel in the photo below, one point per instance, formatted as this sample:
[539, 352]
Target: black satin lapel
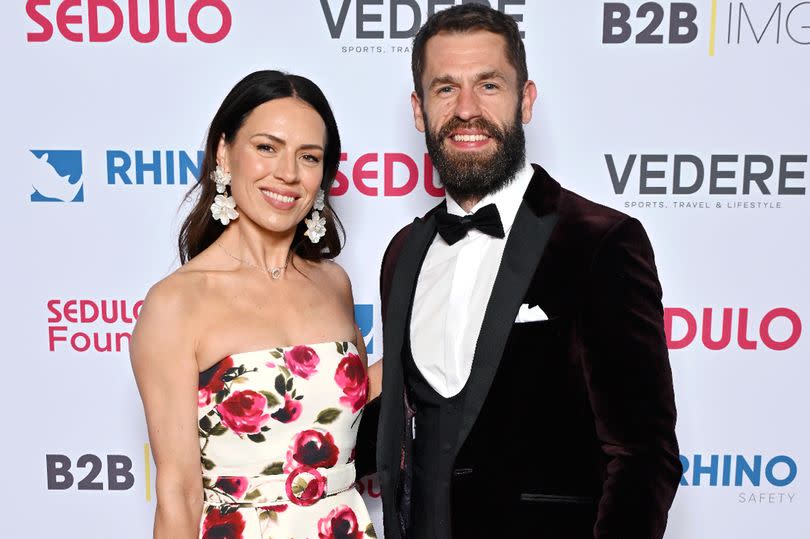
[394, 331]
[527, 240]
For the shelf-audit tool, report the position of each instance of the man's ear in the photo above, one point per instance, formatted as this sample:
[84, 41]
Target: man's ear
[418, 116]
[529, 97]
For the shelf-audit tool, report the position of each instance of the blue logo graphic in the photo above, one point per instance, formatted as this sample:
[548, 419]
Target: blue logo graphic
[737, 470]
[60, 177]
[364, 316]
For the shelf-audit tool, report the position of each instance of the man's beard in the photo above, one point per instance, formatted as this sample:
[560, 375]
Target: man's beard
[466, 176]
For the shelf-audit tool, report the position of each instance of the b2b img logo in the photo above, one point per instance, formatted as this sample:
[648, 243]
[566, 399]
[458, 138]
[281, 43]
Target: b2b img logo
[87, 472]
[651, 22]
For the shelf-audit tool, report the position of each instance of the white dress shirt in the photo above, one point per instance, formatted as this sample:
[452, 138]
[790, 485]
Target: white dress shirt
[453, 290]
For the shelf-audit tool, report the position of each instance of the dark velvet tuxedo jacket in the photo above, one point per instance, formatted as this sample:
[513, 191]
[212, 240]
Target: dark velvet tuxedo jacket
[568, 429]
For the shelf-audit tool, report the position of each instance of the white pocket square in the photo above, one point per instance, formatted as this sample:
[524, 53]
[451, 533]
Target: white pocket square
[533, 314]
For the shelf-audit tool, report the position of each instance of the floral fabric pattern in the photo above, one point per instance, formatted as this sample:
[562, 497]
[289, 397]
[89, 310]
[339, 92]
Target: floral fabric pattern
[291, 413]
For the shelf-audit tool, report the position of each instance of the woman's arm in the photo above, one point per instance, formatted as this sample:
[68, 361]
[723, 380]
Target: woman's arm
[163, 360]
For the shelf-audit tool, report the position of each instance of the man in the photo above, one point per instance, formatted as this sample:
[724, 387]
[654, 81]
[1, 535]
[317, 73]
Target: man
[526, 386]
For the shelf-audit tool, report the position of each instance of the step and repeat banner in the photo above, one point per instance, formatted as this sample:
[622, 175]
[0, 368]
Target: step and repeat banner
[692, 116]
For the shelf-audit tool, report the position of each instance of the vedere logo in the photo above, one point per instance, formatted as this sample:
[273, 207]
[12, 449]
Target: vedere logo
[400, 19]
[103, 21]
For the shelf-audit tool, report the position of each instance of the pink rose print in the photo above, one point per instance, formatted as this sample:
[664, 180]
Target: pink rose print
[242, 412]
[312, 448]
[302, 361]
[351, 377]
[278, 508]
[290, 412]
[340, 523]
[210, 381]
[219, 526]
[232, 485]
[313, 491]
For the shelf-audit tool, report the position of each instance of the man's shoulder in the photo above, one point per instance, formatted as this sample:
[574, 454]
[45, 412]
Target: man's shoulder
[397, 241]
[583, 220]
[576, 208]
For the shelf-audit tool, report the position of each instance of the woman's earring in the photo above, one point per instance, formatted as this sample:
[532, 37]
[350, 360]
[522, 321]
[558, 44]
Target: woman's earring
[316, 225]
[224, 207]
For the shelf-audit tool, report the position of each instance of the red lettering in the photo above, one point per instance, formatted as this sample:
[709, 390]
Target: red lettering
[765, 329]
[125, 11]
[691, 327]
[109, 318]
[71, 310]
[97, 343]
[63, 20]
[742, 332]
[53, 338]
[136, 311]
[124, 317]
[372, 491]
[53, 305]
[40, 19]
[745, 343]
[194, 23]
[119, 338]
[359, 174]
[171, 24]
[74, 342]
[725, 332]
[86, 317]
[431, 188]
[341, 184]
[389, 189]
[154, 21]
[92, 19]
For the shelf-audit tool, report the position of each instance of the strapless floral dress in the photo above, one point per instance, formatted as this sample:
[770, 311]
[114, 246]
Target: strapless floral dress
[277, 434]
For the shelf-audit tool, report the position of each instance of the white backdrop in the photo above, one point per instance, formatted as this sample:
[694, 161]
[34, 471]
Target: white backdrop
[86, 98]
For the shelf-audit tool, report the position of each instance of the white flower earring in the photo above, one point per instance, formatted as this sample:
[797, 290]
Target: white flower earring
[224, 207]
[316, 225]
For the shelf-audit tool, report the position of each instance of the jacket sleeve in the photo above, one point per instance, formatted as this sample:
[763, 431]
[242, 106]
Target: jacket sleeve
[629, 384]
[366, 446]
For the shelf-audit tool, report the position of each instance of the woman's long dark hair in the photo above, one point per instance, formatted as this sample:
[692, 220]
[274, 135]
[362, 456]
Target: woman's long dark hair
[199, 230]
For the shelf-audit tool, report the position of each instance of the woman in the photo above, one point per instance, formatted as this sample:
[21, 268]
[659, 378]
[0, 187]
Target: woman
[247, 358]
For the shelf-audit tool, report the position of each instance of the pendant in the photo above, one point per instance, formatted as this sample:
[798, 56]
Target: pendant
[275, 273]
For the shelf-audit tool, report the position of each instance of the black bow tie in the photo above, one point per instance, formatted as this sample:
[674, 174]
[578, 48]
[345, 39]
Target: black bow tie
[452, 227]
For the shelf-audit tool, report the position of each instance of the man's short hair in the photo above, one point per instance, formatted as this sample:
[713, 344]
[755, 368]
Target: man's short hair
[469, 18]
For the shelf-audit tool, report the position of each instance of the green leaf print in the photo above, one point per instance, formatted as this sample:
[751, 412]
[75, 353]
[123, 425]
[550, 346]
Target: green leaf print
[271, 399]
[327, 416]
[276, 468]
[218, 430]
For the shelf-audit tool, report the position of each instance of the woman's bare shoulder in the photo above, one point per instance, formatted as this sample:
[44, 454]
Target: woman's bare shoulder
[335, 274]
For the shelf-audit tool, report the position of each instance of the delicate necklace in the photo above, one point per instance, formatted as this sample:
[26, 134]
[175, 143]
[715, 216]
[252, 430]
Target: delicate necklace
[275, 272]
